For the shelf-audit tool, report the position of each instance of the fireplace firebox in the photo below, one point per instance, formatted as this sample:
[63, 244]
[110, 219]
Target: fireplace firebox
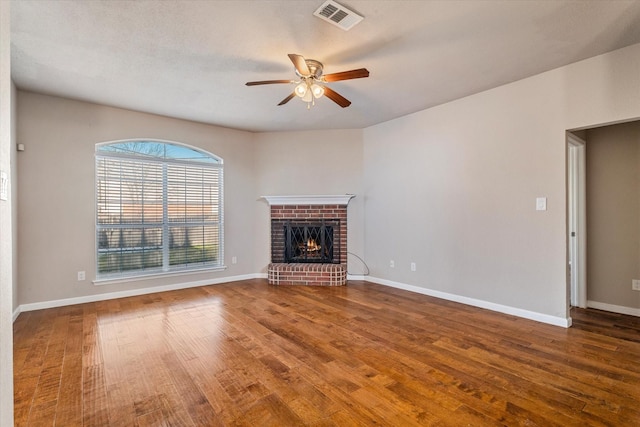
[308, 243]
[305, 241]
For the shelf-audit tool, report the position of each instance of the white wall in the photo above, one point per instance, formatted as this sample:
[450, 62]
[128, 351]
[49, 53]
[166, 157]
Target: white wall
[7, 245]
[310, 163]
[453, 188]
[56, 184]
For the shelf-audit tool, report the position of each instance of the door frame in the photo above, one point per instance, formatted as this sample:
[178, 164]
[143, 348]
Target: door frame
[576, 221]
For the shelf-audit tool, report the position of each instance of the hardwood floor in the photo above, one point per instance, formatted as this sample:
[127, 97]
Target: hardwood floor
[250, 354]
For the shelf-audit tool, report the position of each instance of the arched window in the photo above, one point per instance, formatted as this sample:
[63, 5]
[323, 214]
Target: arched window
[158, 208]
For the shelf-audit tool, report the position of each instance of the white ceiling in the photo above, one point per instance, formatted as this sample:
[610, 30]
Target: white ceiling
[191, 59]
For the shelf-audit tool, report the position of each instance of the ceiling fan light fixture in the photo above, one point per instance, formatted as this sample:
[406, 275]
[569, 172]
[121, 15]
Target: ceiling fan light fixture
[317, 90]
[310, 85]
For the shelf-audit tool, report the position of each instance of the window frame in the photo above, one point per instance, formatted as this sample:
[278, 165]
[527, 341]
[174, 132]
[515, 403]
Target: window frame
[215, 165]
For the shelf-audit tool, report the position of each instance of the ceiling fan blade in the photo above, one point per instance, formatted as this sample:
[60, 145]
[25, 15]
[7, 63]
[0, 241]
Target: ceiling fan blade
[268, 82]
[287, 99]
[300, 64]
[336, 97]
[346, 75]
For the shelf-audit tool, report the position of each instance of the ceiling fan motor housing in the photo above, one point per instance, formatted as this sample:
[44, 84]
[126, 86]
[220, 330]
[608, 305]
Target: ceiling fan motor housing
[315, 69]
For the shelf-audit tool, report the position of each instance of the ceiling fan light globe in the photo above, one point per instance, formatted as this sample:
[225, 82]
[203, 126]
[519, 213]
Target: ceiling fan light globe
[307, 96]
[301, 90]
[317, 90]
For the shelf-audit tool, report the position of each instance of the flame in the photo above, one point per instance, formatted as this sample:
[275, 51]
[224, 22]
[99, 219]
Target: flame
[312, 245]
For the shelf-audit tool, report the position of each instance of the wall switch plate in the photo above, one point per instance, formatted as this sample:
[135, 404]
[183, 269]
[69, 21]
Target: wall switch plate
[4, 185]
[392, 264]
[413, 266]
[81, 276]
[635, 285]
[234, 260]
[541, 204]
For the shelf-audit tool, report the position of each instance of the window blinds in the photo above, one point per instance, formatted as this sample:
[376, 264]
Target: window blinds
[157, 215]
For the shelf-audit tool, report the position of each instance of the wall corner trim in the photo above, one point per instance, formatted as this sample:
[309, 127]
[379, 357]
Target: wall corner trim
[514, 311]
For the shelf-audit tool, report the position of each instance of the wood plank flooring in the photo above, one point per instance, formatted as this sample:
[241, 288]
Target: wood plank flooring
[250, 354]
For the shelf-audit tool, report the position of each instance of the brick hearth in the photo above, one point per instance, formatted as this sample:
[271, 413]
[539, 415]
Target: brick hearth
[307, 274]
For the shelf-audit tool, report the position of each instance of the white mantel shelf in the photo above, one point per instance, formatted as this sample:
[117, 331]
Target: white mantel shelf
[339, 199]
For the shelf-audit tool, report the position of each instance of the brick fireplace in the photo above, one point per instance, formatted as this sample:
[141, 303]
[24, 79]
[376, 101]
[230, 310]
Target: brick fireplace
[308, 240]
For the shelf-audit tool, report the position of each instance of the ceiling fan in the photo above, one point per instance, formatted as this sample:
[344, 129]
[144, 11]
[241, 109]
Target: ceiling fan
[311, 84]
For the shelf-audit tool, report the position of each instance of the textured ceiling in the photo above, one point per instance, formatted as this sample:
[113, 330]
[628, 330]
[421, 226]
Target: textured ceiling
[190, 59]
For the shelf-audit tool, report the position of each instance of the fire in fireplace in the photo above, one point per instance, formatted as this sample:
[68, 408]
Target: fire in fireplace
[308, 243]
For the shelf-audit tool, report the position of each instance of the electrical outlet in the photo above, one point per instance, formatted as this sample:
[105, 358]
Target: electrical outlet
[81, 276]
[392, 264]
[413, 266]
[635, 285]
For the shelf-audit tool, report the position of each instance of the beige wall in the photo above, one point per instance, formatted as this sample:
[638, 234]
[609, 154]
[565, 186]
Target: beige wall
[56, 184]
[613, 214]
[56, 178]
[453, 188]
[307, 163]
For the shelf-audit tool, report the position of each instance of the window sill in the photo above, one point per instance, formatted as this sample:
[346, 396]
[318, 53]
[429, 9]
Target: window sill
[126, 279]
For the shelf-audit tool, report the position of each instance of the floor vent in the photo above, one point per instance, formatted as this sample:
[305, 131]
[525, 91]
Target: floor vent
[338, 15]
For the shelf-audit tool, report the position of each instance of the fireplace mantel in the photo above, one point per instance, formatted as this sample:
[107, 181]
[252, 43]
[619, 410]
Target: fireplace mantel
[339, 199]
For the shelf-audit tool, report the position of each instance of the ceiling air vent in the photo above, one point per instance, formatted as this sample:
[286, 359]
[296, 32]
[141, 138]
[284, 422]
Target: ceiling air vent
[338, 15]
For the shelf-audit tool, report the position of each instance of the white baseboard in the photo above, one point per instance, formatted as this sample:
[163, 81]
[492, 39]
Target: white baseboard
[133, 292]
[16, 313]
[531, 315]
[620, 309]
[539, 317]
